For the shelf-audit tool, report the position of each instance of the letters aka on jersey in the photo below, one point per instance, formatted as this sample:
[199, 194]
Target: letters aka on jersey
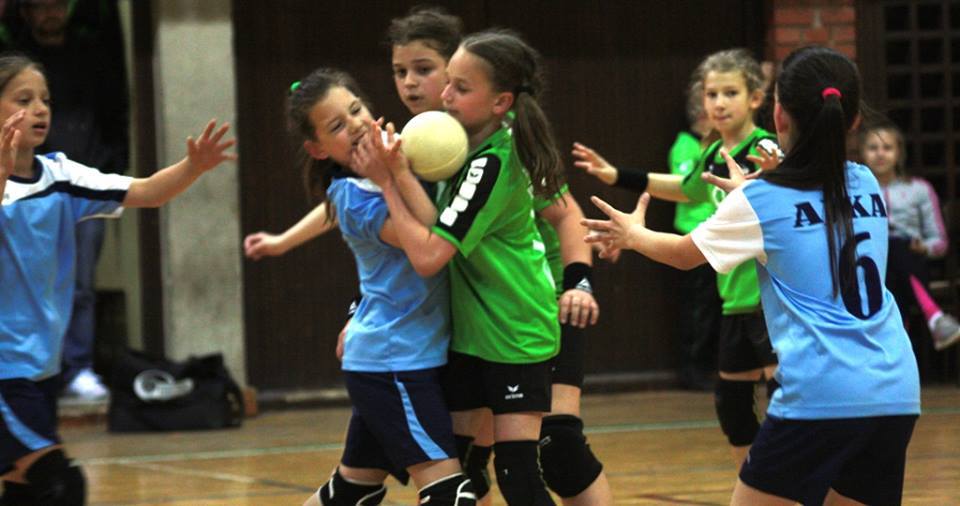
[806, 214]
[471, 195]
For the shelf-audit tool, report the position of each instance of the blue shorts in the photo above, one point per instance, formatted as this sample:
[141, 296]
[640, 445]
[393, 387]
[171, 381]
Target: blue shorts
[860, 458]
[28, 418]
[399, 420]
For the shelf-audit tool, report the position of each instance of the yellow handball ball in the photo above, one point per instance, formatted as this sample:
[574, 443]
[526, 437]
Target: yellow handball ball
[435, 144]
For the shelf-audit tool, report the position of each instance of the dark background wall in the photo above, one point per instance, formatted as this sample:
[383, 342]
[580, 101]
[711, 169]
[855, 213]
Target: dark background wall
[617, 70]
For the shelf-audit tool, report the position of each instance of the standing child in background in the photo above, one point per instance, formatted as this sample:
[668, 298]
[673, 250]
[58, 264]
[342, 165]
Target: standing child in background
[43, 199]
[504, 307]
[917, 232]
[700, 306]
[837, 430]
[732, 91]
[397, 340]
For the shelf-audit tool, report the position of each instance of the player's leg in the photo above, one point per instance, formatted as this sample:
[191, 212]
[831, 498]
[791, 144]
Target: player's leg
[519, 396]
[476, 459]
[570, 468]
[32, 459]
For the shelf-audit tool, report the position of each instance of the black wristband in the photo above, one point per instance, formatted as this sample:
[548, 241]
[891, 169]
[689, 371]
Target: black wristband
[354, 304]
[632, 179]
[578, 275]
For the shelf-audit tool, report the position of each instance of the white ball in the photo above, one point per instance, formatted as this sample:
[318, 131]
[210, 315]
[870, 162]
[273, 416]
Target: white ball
[435, 144]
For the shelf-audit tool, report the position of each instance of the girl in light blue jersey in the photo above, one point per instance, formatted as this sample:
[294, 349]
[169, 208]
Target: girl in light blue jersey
[837, 430]
[397, 340]
[44, 197]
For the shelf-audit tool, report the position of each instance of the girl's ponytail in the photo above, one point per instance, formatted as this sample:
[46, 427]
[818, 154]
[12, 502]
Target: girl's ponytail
[820, 90]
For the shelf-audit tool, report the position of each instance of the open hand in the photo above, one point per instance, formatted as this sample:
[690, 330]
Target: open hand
[594, 164]
[9, 143]
[208, 151]
[621, 230]
[737, 176]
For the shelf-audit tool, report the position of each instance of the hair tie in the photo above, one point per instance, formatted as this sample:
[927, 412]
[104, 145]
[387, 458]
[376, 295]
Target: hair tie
[294, 86]
[831, 91]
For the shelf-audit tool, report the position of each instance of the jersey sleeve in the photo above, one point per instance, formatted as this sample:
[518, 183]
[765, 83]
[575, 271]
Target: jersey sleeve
[475, 204]
[93, 193]
[541, 203]
[732, 235]
[693, 186]
[360, 213]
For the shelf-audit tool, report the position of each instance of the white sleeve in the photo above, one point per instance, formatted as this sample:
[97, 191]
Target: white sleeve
[732, 235]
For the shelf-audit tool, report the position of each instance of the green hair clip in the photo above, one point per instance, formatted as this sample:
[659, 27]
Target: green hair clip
[294, 86]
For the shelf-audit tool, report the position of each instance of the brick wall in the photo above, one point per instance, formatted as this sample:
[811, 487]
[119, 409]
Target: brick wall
[798, 23]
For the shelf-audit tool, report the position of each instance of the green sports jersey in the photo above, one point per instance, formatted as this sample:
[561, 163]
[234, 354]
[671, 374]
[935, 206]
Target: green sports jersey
[683, 158]
[502, 293]
[551, 240]
[739, 288]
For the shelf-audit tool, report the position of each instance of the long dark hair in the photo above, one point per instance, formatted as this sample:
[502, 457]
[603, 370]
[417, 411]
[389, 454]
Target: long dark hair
[516, 67]
[820, 90]
[304, 95]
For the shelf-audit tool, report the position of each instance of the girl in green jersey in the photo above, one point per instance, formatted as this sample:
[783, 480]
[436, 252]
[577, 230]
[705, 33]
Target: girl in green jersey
[732, 88]
[504, 306]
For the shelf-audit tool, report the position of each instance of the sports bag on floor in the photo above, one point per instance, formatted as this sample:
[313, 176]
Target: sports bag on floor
[155, 394]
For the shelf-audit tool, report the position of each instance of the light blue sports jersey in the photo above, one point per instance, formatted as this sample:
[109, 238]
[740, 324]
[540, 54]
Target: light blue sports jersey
[403, 320]
[840, 357]
[38, 258]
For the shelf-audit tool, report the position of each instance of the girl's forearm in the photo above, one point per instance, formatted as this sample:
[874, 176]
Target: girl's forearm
[157, 189]
[416, 198]
[313, 224]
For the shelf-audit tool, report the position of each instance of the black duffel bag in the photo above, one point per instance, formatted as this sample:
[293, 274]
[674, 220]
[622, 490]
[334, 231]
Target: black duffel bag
[155, 394]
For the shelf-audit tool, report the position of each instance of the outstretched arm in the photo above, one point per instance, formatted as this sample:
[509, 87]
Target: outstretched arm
[577, 304]
[662, 186]
[314, 224]
[629, 231]
[203, 154]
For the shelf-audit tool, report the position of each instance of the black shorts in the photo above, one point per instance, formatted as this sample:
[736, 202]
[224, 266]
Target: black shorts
[29, 418]
[399, 420]
[860, 458]
[470, 383]
[744, 343]
[567, 367]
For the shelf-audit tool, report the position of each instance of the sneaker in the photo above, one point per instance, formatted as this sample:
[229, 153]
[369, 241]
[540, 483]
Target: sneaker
[946, 331]
[87, 386]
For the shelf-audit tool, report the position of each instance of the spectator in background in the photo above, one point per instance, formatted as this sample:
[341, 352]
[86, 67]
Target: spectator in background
[88, 88]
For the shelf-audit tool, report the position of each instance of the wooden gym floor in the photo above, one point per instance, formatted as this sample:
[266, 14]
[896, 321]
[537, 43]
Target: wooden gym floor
[658, 448]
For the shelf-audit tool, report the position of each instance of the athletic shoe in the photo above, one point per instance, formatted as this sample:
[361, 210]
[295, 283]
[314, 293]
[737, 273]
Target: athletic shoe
[946, 331]
[87, 386]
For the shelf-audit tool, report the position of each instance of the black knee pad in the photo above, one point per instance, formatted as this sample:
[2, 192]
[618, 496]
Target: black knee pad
[56, 481]
[454, 490]
[464, 444]
[17, 494]
[736, 409]
[772, 386]
[340, 492]
[518, 474]
[475, 468]
[569, 467]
